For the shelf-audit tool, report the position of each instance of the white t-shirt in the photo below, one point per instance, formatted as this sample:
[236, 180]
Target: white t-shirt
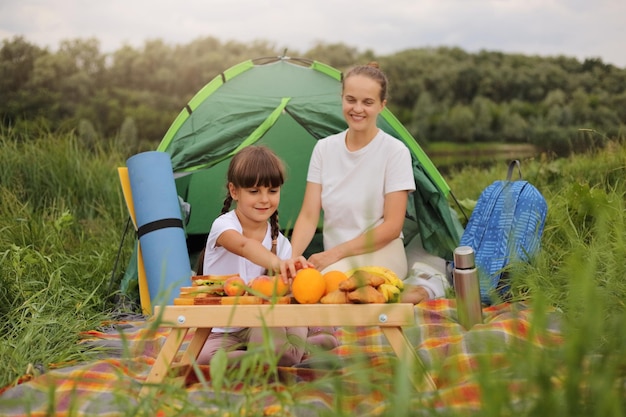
[354, 184]
[219, 261]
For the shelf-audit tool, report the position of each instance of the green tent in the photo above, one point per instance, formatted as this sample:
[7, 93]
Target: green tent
[286, 104]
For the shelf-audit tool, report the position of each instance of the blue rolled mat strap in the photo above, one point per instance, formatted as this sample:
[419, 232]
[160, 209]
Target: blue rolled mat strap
[159, 225]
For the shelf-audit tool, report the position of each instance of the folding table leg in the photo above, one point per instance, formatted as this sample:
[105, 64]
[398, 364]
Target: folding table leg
[164, 360]
[195, 346]
[405, 352]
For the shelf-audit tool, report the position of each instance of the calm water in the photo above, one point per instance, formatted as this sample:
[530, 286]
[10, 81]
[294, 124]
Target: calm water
[448, 160]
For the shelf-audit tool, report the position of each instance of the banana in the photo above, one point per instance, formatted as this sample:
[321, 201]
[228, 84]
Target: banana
[390, 292]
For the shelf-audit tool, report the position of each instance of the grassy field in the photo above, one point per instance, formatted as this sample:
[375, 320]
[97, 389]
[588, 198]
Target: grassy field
[62, 216]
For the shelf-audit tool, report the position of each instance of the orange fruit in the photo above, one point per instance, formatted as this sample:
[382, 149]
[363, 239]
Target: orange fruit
[308, 286]
[269, 286]
[333, 278]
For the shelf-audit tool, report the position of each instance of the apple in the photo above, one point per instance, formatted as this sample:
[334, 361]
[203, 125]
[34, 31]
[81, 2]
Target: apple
[268, 286]
[234, 285]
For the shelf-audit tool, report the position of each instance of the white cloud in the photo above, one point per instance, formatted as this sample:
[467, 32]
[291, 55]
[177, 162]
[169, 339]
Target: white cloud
[578, 28]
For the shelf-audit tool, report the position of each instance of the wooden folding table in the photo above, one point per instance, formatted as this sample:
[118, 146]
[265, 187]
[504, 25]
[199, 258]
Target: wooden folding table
[391, 318]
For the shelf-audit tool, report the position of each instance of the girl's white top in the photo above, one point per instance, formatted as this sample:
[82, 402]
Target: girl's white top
[219, 261]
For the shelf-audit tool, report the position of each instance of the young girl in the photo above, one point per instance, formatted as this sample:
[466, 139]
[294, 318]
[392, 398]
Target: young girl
[247, 241]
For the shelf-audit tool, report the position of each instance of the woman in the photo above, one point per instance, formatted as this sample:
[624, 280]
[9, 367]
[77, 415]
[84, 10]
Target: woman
[361, 179]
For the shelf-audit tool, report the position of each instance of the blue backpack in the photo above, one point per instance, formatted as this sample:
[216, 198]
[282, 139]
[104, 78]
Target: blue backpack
[505, 226]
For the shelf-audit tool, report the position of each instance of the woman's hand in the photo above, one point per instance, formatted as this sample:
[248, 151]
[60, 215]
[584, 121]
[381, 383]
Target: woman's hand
[323, 259]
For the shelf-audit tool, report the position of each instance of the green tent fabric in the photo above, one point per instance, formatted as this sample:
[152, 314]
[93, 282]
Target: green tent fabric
[286, 104]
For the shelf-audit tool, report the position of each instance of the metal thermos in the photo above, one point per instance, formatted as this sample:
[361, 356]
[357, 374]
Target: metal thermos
[467, 287]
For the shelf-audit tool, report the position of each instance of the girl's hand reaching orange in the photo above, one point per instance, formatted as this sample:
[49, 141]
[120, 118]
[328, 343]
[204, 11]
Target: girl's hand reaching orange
[289, 267]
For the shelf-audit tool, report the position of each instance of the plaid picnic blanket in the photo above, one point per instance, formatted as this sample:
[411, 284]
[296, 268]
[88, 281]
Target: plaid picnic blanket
[454, 357]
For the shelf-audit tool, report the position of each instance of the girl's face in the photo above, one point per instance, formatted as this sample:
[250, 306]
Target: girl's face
[361, 102]
[255, 204]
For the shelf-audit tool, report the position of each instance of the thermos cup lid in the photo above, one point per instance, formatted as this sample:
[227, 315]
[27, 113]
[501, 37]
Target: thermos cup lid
[464, 257]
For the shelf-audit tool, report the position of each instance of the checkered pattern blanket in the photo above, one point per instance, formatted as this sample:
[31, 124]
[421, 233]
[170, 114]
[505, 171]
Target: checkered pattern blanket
[455, 359]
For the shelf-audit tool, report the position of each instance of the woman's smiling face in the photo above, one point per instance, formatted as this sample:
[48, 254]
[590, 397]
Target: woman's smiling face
[361, 102]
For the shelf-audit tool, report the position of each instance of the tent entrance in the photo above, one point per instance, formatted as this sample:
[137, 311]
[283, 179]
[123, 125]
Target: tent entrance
[205, 190]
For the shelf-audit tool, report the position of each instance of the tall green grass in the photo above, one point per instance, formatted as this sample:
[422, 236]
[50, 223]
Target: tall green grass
[580, 271]
[61, 219]
[62, 216]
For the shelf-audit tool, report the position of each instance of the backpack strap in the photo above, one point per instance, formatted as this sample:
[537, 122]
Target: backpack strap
[512, 165]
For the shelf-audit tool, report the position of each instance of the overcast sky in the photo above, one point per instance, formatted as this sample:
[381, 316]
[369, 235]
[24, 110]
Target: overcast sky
[576, 28]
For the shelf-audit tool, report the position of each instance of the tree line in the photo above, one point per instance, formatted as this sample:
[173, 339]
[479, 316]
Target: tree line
[444, 94]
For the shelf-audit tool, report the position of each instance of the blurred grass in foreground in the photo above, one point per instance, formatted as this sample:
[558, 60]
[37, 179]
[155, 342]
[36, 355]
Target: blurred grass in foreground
[62, 216]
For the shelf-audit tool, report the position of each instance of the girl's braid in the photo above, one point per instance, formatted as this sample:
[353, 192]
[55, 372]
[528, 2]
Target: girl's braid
[275, 230]
[227, 202]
